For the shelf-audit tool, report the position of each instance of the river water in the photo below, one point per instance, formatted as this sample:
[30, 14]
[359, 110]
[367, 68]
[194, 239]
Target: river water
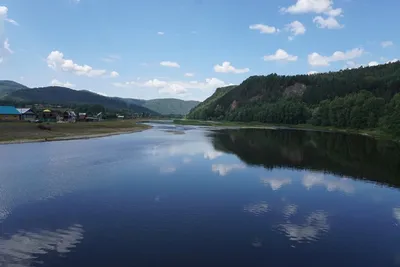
[193, 196]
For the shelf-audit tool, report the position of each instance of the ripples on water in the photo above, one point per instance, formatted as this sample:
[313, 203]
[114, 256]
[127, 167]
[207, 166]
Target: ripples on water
[201, 198]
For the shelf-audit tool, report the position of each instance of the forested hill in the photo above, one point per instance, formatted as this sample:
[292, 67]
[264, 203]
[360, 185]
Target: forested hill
[15, 93]
[66, 96]
[358, 98]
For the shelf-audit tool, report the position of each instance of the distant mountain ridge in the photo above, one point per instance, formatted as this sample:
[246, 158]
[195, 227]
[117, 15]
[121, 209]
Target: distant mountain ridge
[13, 91]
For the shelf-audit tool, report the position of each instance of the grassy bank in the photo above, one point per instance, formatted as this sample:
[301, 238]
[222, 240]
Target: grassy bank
[16, 132]
[307, 127]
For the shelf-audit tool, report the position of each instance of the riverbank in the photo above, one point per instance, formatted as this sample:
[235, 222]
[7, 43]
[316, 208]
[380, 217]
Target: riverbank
[375, 133]
[24, 132]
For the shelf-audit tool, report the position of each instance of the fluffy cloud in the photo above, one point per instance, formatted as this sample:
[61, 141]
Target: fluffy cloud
[296, 28]
[387, 44]
[114, 74]
[4, 17]
[56, 82]
[280, 55]
[188, 74]
[170, 64]
[160, 33]
[312, 72]
[316, 59]
[7, 47]
[264, 28]
[56, 60]
[174, 87]
[373, 63]
[328, 23]
[313, 6]
[226, 67]
[323, 7]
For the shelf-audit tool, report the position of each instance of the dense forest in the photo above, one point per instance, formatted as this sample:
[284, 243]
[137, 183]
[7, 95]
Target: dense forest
[363, 98]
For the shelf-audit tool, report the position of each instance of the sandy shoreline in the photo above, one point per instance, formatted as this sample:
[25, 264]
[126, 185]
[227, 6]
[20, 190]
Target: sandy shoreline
[72, 137]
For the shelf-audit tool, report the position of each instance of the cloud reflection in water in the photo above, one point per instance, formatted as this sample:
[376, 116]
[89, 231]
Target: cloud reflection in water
[22, 248]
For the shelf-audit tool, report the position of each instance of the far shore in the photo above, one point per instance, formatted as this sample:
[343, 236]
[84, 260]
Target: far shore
[25, 132]
[304, 127]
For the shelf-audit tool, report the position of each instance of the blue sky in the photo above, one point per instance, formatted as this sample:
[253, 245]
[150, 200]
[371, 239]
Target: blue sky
[187, 48]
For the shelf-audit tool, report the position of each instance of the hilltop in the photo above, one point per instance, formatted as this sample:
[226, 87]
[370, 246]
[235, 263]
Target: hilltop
[363, 98]
[17, 93]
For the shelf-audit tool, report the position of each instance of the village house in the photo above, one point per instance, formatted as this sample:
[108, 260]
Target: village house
[26, 114]
[82, 116]
[69, 116]
[50, 116]
[9, 113]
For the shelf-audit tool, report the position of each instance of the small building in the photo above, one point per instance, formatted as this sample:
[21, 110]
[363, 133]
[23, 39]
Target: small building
[82, 116]
[69, 116]
[50, 116]
[9, 113]
[26, 114]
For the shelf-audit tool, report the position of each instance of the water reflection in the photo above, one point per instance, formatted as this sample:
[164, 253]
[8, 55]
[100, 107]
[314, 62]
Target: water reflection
[23, 248]
[315, 225]
[316, 179]
[257, 208]
[396, 214]
[276, 183]
[224, 169]
[340, 154]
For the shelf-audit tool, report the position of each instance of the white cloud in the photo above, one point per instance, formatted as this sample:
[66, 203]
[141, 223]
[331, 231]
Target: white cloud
[265, 29]
[312, 72]
[296, 28]
[276, 183]
[170, 64]
[56, 60]
[226, 67]
[188, 74]
[174, 87]
[393, 61]
[224, 169]
[387, 44]
[373, 63]
[316, 59]
[313, 6]
[114, 74]
[328, 23]
[318, 7]
[56, 82]
[280, 55]
[111, 58]
[7, 47]
[160, 33]
[4, 17]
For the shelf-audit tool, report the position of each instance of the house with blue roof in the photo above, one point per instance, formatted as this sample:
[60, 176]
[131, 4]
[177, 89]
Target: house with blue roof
[9, 113]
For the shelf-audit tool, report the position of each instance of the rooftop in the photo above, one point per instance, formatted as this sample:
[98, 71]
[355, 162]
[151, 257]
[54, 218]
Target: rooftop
[8, 110]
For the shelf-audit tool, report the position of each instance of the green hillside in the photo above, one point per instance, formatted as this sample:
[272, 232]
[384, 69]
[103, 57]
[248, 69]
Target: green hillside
[363, 98]
[206, 108]
[167, 106]
[12, 92]
[66, 96]
[7, 87]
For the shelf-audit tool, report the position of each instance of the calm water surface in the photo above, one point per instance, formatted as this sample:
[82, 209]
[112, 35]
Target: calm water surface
[199, 197]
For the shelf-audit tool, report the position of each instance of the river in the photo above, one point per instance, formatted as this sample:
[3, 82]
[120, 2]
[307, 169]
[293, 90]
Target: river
[193, 196]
